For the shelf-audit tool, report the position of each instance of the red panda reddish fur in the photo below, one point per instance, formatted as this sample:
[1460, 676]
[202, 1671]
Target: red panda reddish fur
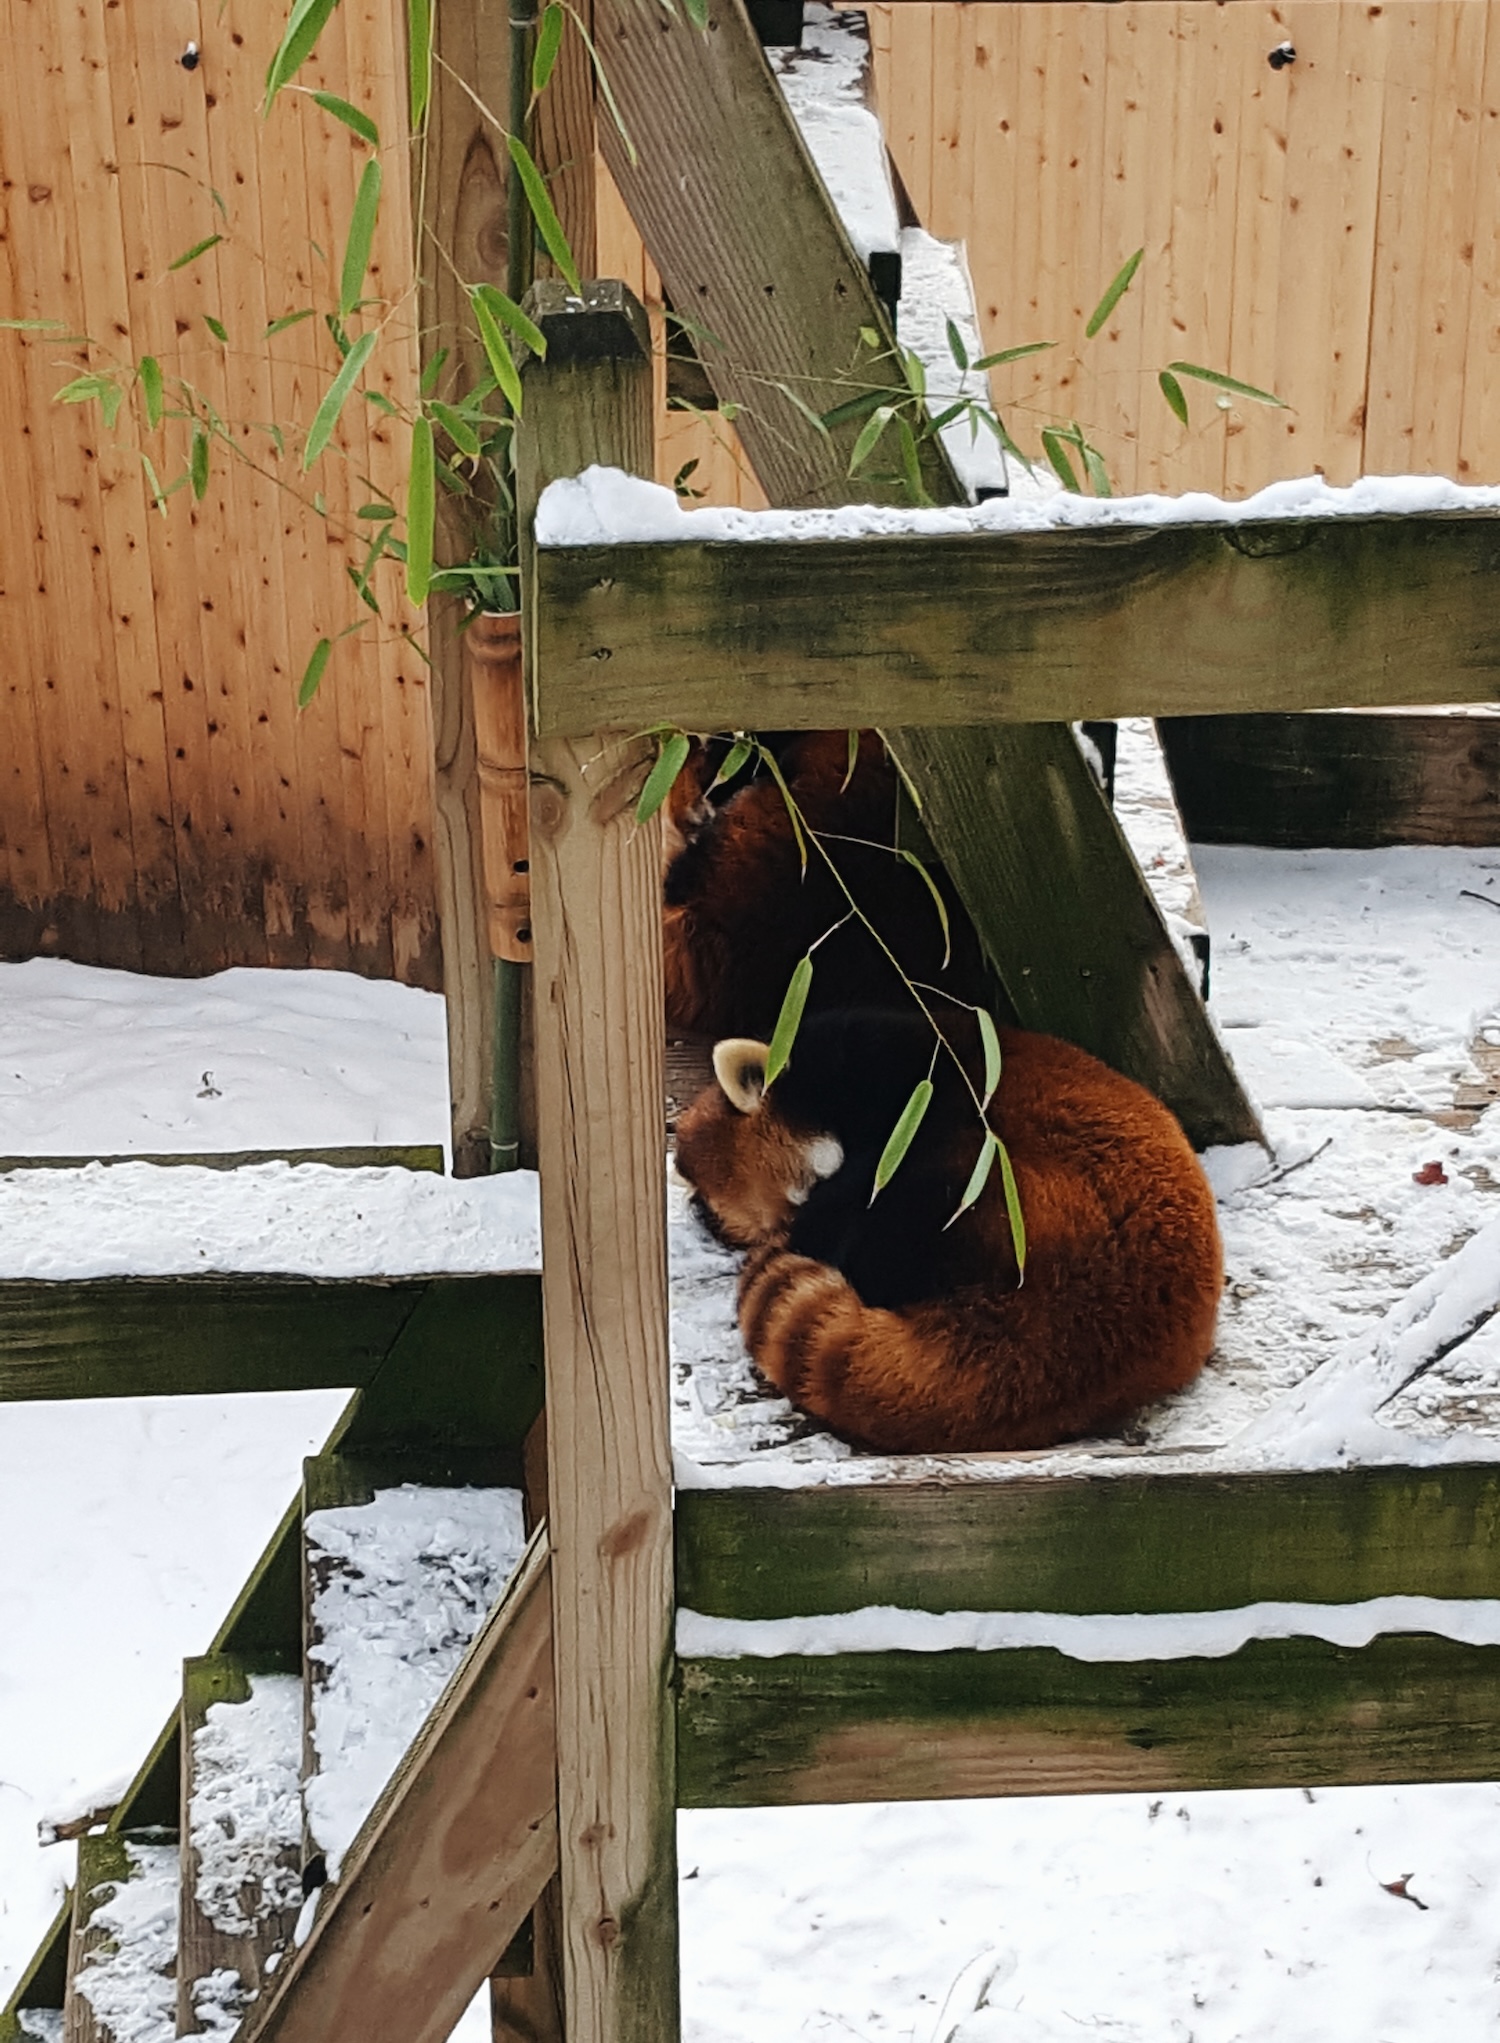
[740, 909]
[908, 1336]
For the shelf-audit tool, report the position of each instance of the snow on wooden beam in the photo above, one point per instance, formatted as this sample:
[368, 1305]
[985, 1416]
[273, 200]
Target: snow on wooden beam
[905, 1726]
[1042, 626]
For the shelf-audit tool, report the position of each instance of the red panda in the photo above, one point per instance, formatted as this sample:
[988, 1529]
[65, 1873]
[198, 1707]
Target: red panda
[905, 1334]
[740, 910]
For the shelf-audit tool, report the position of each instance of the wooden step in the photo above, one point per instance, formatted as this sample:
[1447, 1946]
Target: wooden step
[452, 1858]
[123, 1947]
[241, 1857]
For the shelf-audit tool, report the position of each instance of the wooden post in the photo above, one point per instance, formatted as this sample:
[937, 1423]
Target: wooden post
[596, 901]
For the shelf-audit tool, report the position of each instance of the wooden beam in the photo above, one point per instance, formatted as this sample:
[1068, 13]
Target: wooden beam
[1104, 1543]
[1176, 620]
[912, 1726]
[180, 1336]
[450, 1860]
[414, 1156]
[736, 220]
[596, 899]
[1078, 943]
[1344, 782]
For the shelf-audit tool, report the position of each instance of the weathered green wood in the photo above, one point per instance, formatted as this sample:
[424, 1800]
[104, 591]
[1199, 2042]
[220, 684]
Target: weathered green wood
[1076, 940]
[1176, 620]
[415, 1156]
[163, 1336]
[103, 1860]
[735, 217]
[1346, 782]
[466, 1367]
[1103, 1543]
[904, 1726]
[203, 1948]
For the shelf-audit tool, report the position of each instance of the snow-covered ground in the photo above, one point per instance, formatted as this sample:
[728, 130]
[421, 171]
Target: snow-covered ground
[1369, 987]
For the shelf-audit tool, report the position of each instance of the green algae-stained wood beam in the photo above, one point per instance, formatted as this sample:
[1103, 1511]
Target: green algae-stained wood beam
[1176, 620]
[912, 1726]
[201, 1335]
[1101, 1543]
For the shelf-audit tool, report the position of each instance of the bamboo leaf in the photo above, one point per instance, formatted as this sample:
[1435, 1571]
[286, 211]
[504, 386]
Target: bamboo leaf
[996, 424]
[217, 328]
[510, 313]
[989, 1037]
[1119, 284]
[869, 436]
[853, 761]
[902, 1136]
[956, 346]
[697, 13]
[312, 673]
[306, 23]
[911, 465]
[910, 858]
[548, 42]
[1173, 392]
[794, 814]
[547, 223]
[458, 429]
[1055, 449]
[327, 415]
[419, 59]
[158, 494]
[420, 513]
[855, 407]
[432, 372]
[198, 462]
[287, 319]
[351, 117]
[670, 761]
[361, 235]
[198, 248]
[31, 325]
[1013, 1208]
[1098, 474]
[784, 1035]
[734, 759]
[381, 511]
[149, 371]
[497, 352]
[604, 85]
[803, 406]
[979, 1177]
[1013, 354]
[1230, 383]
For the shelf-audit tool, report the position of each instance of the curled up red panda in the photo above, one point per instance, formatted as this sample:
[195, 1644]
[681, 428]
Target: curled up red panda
[909, 1335]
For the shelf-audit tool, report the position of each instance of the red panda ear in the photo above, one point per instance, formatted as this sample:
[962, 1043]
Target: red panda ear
[740, 1067]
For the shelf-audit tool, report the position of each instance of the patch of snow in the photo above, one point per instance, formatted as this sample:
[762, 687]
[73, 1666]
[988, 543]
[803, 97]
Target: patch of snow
[246, 1819]
[103, 1063]
[219, 2002]
[308, 1219]
[605, 507]
[1166, 1635]
[401, 1586]
[45, 2024]
[824, 83]
[128, 1981]
[936, 288]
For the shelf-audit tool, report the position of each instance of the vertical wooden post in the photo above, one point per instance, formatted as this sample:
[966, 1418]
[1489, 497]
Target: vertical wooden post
[596, 918]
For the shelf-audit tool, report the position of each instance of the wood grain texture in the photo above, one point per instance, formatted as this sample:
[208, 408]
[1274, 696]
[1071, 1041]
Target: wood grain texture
[450, 1860]
[1345, 782]
[103, 1868]
[202, 1947]
[777, 283]
[163, 806]
[914, 1726]
[1076, 939]
[173, 1336]
[1118, 1543]
[1148, 621]
[596, 894]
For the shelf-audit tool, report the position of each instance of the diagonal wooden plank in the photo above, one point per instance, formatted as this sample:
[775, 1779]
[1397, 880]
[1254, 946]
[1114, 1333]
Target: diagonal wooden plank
[748, 244]
[453, 1856]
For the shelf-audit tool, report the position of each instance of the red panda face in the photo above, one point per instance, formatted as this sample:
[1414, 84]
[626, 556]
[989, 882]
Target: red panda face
[747, 1165]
